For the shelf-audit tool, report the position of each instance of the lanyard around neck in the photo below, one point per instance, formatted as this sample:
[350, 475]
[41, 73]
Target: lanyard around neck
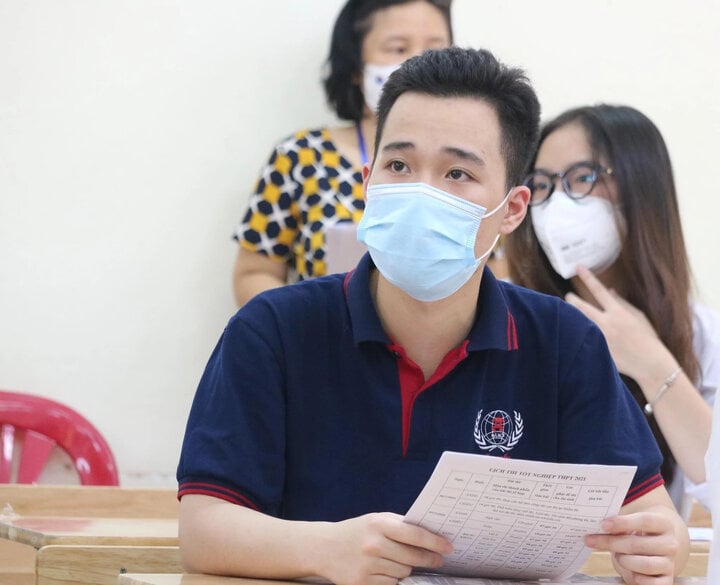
[361, 144]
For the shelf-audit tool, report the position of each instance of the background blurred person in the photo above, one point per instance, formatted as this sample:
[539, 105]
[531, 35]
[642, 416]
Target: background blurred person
[313, 179]
[605, 233]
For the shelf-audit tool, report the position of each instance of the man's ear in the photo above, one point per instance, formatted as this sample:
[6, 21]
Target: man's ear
[367, 168]
[517, 206]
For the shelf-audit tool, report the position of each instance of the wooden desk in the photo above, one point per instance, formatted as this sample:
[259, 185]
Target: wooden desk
[57, 535]
[93, 551]
[599, 569]
[183, 579]
[83, 501]
[7, 578]
[39, 531]
[700, 517]
[101, 565]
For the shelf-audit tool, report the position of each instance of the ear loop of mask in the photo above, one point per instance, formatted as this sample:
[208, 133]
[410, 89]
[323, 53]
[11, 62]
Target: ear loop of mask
[497, 238]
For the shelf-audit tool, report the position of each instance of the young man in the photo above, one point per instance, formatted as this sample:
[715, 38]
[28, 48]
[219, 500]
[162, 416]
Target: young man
[326, 405]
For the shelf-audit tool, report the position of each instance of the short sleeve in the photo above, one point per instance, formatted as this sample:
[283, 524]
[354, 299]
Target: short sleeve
[270, 225]
[234, 445]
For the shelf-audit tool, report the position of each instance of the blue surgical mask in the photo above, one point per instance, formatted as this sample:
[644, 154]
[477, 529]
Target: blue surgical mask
[422, 239]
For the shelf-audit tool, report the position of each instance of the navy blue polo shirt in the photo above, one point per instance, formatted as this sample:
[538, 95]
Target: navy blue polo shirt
[308, 411]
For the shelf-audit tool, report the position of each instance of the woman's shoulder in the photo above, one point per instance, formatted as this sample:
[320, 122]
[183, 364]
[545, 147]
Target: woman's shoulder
[309, 146]
[320, 147]
[316, 138]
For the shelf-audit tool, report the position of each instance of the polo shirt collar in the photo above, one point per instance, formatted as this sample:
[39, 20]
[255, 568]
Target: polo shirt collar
[494, 326]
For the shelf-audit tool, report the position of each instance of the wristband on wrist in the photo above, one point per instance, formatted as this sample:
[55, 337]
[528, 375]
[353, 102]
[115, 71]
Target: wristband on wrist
[650, 406]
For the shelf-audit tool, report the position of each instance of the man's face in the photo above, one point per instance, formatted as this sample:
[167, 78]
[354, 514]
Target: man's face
[452, 144]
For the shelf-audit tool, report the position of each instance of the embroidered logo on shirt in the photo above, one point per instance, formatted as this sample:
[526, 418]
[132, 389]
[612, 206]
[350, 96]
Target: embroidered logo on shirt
[496, 430]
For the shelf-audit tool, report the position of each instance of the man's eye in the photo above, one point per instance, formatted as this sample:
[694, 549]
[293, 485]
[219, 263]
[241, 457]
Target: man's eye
[457, 174]
[397, 166]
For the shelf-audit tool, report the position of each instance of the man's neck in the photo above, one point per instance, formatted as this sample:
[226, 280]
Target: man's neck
[427, 331]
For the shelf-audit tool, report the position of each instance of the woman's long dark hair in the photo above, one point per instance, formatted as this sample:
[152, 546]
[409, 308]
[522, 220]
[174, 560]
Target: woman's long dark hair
[344, 63]
[653, 263]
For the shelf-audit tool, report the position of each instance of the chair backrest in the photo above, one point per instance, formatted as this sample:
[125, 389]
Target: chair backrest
[42, 424]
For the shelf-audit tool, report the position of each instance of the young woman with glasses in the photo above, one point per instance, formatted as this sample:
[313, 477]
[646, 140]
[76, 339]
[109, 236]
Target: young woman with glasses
[604, 232]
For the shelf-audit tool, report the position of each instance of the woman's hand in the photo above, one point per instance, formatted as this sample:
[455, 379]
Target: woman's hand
[643, 546]
[639, 353]
[379, 549]
[634, 344]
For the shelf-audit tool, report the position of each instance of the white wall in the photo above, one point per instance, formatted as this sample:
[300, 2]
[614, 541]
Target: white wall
[131, 132]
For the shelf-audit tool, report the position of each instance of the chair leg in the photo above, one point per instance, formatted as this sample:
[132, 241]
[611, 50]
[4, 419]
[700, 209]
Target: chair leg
[35, 453]
[7, 436]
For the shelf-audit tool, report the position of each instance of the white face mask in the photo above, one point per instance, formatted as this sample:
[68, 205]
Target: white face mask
[374, 77]
[577, 231]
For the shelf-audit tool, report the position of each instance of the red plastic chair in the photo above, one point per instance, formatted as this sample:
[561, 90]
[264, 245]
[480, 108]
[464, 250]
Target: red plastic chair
[44, 424]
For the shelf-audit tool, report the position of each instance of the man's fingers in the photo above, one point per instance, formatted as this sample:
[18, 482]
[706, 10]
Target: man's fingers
[637, 536]
[396, 570]
[633, 544]
[643, 523]
[647, 569]
[393, 541]
[411, 556]
[418, 537]
[381, 579]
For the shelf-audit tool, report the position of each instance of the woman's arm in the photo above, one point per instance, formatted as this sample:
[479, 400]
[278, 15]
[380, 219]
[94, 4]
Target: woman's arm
[376, 549]
[681, 413]
[255, 272]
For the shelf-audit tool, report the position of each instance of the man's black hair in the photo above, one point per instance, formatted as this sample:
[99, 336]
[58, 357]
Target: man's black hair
[457, 72]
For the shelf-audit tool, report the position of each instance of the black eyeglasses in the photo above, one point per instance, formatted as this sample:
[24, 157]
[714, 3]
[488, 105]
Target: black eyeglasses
[578, 181]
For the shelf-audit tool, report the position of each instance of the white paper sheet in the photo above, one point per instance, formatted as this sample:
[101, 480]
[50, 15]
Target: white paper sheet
[515, 519]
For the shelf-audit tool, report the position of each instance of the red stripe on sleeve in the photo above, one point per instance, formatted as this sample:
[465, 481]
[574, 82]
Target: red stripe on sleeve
[215, 491]
[643, 488]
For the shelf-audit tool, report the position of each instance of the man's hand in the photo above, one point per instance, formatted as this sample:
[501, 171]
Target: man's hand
[379, 549]
[376, 549]
[643, 546]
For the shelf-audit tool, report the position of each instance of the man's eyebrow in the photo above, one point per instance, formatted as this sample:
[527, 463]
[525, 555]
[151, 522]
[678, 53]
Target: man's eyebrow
[395, 146]
[464, 154]
[455, 151]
